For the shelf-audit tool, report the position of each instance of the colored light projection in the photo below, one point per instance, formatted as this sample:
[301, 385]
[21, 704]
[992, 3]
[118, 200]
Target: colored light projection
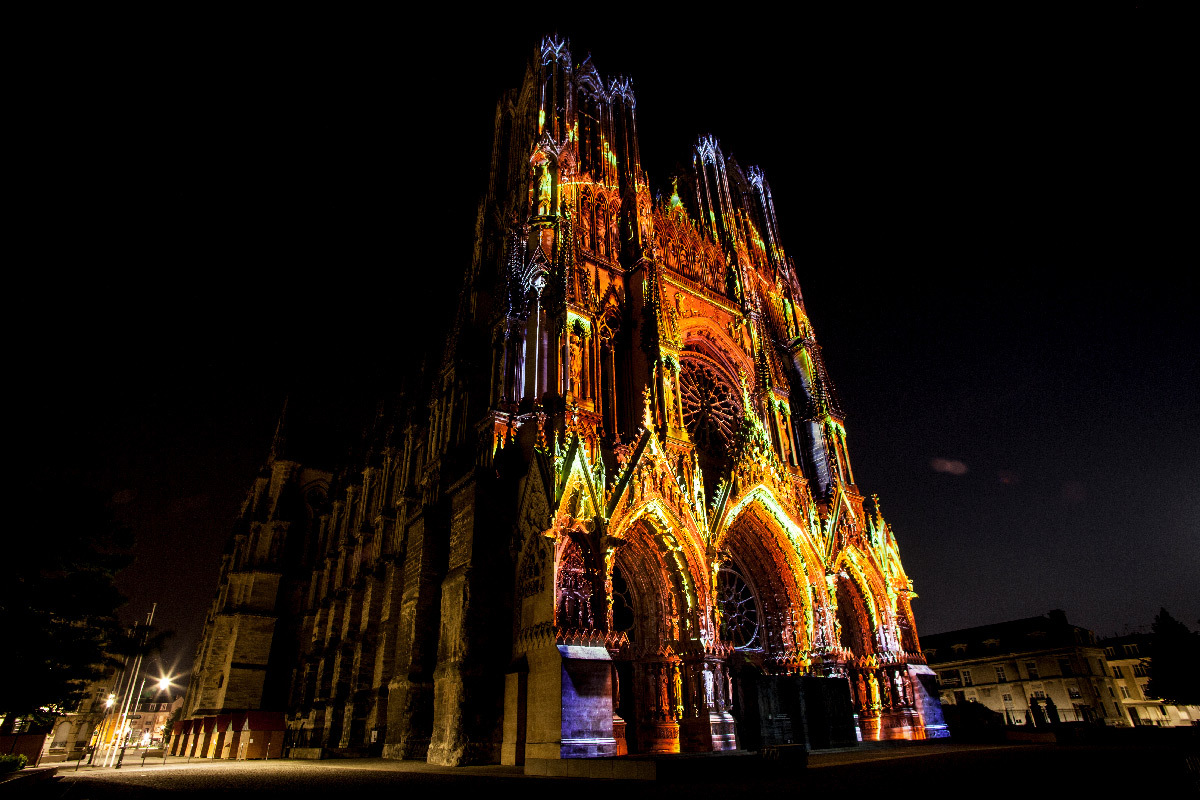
[696, 525]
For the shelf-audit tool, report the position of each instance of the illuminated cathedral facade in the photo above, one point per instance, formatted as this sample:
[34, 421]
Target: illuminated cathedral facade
[624, 519]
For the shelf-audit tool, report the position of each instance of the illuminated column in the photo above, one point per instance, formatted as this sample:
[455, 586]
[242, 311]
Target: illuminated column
[791, 433]
[563, 349]
[678, 397]
[530, 364]
[658, 730]
[776, 428]
[545, 357]
[832, 445]
[611, 398]
[846, 455]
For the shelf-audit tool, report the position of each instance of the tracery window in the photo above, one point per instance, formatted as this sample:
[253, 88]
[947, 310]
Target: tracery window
[574, 591]
[739, 609]
[710, 411]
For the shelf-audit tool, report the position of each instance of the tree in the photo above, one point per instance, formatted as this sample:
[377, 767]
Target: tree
[1174, 661]
[169, 727]
[58, 599]
[972, 721]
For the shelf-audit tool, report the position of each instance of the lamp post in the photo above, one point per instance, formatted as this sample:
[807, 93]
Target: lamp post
[165, 684]
[103, 730]
[137, 668]
[125, 724]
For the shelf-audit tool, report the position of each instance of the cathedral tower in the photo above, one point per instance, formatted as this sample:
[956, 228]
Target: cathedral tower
[625, 518]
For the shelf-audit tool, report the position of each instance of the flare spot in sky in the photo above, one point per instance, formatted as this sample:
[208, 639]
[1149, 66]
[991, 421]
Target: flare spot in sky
[948, 465]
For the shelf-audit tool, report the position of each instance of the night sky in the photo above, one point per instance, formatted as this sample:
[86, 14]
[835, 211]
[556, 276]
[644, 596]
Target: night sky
[983, 219]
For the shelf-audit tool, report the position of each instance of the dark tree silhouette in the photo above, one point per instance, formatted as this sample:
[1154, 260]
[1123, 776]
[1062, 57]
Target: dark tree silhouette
[58, 600]
[1174, 661]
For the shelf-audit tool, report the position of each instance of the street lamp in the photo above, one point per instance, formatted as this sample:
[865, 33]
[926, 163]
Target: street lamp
[134, 669]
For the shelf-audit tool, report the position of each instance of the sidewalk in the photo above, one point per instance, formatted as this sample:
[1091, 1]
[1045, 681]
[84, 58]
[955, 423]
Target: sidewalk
[27, 776]
[866, 752]
[134, 764]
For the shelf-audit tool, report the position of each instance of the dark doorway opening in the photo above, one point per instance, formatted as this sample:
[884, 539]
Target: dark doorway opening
[747, 681]
[627, 703]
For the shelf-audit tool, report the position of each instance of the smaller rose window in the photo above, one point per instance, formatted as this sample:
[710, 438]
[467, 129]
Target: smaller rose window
[739, 609]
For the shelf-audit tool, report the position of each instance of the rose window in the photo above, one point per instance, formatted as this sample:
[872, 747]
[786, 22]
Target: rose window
[710, 411]
[739, 609]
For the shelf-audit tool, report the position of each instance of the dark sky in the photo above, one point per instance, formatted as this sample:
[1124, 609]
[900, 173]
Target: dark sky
[982, 213]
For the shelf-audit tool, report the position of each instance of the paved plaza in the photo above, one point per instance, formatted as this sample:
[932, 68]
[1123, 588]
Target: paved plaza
[910, 769]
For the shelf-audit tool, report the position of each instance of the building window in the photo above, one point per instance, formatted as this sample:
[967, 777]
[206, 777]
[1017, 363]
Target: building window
[1000, 676]
[1007, 698]
[1117, 672]
[1031, 668]
[1124, 693]
[1108, 651]
[1065, 668]
[1039, 694]
[1073, 692]
[1111, 693]
[1131, 649]
[966, 678]
[1139, 670]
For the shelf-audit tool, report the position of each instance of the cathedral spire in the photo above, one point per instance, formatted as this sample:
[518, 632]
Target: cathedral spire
[279, 442]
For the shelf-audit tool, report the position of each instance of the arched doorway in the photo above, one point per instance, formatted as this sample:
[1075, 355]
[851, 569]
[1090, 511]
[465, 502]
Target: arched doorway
[741, 626]
[854, 624]
[762, 600]
[651, 606]
[671, 688]
[881, 686]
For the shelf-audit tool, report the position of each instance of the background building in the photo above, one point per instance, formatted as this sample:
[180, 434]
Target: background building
[148, 722]
[1128, 660]
[75, 730]
[621, 514]
[78, 730]
[1026, 667]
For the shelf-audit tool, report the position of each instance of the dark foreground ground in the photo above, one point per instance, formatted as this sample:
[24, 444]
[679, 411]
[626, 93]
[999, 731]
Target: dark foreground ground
[908, 770]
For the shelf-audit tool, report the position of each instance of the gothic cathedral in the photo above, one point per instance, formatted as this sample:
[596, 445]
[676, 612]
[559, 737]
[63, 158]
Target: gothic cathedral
[625, 519]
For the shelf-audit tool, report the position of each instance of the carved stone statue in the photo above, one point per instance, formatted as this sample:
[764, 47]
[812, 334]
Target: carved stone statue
[575, 385]
[544, 201]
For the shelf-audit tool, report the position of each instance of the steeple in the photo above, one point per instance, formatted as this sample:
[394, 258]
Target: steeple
[279, 442]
